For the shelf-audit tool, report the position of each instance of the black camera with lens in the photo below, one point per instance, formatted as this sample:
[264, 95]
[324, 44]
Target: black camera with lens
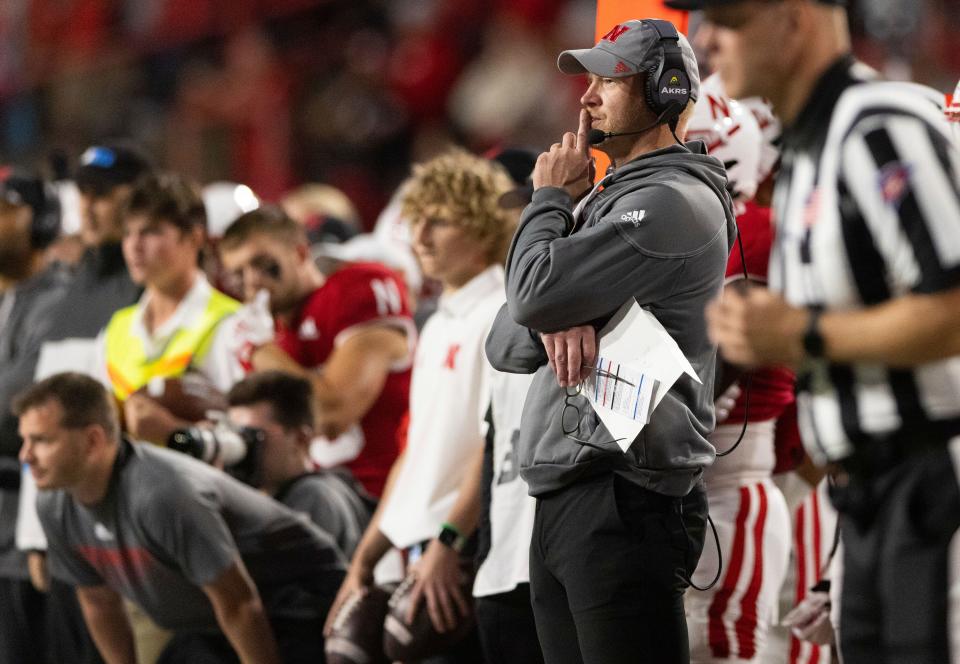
[238, 449]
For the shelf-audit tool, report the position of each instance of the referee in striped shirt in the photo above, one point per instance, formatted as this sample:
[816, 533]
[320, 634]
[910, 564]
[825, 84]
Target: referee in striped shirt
[864, 301]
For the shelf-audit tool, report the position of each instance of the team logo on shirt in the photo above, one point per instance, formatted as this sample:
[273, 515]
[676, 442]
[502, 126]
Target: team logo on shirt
[451, 361]
[634, 217]
[102, 533]
[893, 180]
[308, 330]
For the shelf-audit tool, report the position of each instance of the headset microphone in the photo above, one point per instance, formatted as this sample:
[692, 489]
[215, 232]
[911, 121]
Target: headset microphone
[597, 136]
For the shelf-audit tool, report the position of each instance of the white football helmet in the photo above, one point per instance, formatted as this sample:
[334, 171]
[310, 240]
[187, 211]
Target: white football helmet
[771, 129]
[224, 202]
[731, 134]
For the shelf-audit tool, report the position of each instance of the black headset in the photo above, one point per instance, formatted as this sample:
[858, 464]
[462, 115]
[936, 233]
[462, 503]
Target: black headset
[45, 227]
[668, 84]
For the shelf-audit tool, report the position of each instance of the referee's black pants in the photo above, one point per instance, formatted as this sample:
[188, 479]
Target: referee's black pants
[609, 562]
[897, 526]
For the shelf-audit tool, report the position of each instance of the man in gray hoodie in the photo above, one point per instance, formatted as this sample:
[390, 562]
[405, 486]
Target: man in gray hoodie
[617, 535]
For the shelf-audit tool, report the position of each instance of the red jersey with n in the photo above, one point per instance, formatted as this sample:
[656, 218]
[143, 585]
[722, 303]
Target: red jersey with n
[354, 296]
[771, 389]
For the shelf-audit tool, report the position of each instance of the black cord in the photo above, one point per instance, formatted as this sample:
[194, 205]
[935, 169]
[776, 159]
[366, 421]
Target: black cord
[673, 130]
[743, 255]
[716, 539]
[746, 413]
[749, 379]
[836, 538]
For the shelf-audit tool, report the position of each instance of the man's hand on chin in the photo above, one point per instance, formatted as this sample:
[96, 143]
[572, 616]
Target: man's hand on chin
[568, 164]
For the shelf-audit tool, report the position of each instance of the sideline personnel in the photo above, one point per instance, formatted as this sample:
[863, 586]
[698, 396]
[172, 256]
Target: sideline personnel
[616, 536]
[194, 548]
[864, 298]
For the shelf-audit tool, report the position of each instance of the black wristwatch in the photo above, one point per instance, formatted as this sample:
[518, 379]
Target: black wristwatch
[812, 339]
[449, 536]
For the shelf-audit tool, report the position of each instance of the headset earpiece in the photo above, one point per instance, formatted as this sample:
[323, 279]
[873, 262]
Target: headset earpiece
[668, 83]
[45, 227]
[652, 87]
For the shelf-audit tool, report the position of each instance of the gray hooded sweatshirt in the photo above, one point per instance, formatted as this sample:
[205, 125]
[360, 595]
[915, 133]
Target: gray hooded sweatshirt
[659, 231]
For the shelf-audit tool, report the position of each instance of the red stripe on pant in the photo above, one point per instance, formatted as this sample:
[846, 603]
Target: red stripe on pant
[801, 562]
[796, 646]
[815, 527]
[719, 643]
[746, 625]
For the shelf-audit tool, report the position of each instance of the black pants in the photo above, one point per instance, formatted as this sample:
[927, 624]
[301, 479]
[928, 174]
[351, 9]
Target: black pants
[296, 614]
[466, 651]
[897, 526]
[609, 563]
[21, 623]
[508, 632]
[298, 643]
[68, 640]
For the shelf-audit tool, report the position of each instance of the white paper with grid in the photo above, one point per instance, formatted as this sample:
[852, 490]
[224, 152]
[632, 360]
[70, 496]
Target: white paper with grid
[637, 363]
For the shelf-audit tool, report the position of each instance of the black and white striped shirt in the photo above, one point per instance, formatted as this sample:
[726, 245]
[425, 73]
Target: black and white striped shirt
[868, 209]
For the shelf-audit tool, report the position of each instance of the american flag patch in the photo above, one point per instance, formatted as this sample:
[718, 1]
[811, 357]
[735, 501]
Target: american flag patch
[893, 181]
[811, 210]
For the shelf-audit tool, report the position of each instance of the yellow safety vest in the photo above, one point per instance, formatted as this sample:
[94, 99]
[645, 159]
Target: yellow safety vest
[130, 368]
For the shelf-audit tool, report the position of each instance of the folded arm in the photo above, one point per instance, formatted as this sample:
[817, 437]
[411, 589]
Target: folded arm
[513, 348]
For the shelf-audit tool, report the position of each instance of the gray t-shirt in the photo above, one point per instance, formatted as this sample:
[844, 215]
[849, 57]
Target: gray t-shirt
[170, 524]
[332, 502]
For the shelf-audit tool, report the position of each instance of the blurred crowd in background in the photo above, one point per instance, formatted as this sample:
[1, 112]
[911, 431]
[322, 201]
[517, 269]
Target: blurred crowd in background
[348, 92]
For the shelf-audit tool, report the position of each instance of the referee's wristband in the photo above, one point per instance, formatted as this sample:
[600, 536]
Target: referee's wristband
[813, 344]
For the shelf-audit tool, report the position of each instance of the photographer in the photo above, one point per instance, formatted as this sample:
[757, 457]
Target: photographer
[193, 548]
[278, 404]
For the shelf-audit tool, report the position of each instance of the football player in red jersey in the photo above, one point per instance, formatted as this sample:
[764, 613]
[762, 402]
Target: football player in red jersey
[349, 332]
[730, 621]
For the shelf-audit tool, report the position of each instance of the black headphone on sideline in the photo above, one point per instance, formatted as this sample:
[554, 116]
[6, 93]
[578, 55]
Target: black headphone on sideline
[19, 187]
[668, 84]
[46, 222]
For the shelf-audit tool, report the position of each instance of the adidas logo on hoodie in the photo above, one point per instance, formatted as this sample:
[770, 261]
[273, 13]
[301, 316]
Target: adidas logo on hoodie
[634, 217]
